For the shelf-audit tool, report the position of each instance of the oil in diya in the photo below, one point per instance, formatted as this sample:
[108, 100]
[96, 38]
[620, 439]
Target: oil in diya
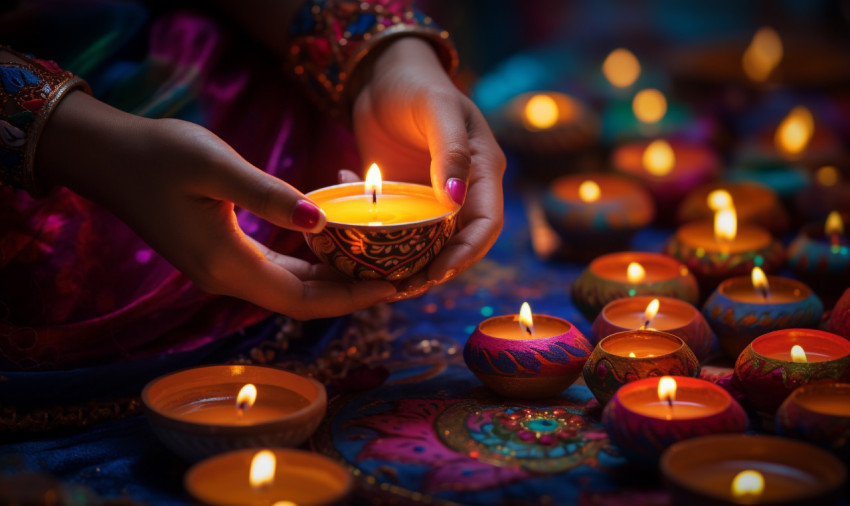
[629, 274]
[820, 256]
[745, 307]
[732, 469]
[716, 250]
[596, 214]
[669, 170]
[631, 355]
[820, 414]
[380, 230]
[526, 356]
[274, 476]
[646, 416]
[775, 364]
[670, 315]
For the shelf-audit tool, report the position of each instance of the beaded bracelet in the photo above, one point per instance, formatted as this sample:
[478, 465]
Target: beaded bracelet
[330, 37]
[29, 92]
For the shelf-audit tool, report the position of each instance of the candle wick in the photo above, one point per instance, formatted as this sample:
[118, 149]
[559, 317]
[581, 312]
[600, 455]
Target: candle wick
[764, 293]
[374, 196]
[529, 331]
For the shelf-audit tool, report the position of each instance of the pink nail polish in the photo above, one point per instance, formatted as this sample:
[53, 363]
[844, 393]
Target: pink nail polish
[306, 215]
[456, 189]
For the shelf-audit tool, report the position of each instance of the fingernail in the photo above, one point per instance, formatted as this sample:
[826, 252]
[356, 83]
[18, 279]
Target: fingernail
[306, 215]
[456, 188]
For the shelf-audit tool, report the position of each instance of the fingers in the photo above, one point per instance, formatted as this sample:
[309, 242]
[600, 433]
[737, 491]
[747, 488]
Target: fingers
[446, 132]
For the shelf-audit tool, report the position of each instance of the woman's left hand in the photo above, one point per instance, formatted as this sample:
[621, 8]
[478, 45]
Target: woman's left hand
[412, 121]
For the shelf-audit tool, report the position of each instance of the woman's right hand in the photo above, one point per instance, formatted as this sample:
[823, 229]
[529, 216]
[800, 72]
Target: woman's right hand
[176, 183]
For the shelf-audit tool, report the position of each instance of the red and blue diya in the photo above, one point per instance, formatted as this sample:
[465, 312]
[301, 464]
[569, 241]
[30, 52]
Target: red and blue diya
[820, 256]
[646, 416]
[777, 363]
[818, 413]
[526, 356]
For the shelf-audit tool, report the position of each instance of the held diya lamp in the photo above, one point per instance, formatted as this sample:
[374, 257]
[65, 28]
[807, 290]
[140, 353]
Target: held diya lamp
[269, 477]
[596, 214]
[380, 230]
[630, 273]
[820, 256]
[547, 131]
[526, 356]
[820, 414]
[716, 251]
[732, 469]
[743, 308]
[665, 314]
[207, 410]
[631, 355]
[646, 416]
[753, 203]
[775, 364]
[670, 170]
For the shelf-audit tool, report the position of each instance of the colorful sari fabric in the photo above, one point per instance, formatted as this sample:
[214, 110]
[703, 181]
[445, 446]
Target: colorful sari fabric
[77, 286]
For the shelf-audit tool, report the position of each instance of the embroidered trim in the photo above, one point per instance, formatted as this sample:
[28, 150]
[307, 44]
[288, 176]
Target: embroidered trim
[330, 37]
[29, 92]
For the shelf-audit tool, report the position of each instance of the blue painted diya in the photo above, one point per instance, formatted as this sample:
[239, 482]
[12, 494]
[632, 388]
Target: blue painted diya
[821, 260]
[738, 313]
[517, 364]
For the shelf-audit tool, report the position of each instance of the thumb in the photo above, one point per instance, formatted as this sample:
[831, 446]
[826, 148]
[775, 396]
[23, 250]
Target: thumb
[448, 143]
[269, 198]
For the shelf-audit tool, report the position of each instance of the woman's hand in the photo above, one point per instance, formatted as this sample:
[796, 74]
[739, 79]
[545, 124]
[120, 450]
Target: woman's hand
[411, 119]
[175, 183]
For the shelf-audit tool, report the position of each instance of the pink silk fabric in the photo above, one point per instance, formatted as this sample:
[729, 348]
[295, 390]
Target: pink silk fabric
[79, 288]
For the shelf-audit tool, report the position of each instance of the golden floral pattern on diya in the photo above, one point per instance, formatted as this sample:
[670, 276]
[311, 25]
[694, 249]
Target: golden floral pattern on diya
[382, 253]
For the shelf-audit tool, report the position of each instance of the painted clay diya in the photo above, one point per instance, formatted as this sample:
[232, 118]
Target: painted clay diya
[738, 313]
[702, 471]
[821, 259]
[196, 413]
[642, 424]
[674, 316]
[754, 204]
[391, 239]
[636, 354]
[518, 364]
[596, 214]
[768, 373]
[608, 278]
[820, 414]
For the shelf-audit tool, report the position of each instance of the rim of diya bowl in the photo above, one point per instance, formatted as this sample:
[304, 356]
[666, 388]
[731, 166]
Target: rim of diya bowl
[682, 383]
[774, 281]
[681, 306]
[644, 258]
[685, 458]
[344, 190]
[797, 397]
[245, 455]
[768, 343]
[197, 377]
[616, 336]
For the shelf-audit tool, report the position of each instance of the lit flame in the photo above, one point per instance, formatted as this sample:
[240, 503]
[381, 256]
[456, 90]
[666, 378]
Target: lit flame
[589, 191]
[725, 225]
[719, 199]
[284, 503]
[798, 354]
[525, 321]
[747, 485]
[658, 158]
[373, 182]
[246, 397]
[649, 105]
[262, 469]
[635, 272]
[762, 55]
[621, 68]
[632, 354]
[834, 224]
[794, 132]
[667, 391]
[760, 281]
[650, 312]
[541, 111]
[827, 175]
